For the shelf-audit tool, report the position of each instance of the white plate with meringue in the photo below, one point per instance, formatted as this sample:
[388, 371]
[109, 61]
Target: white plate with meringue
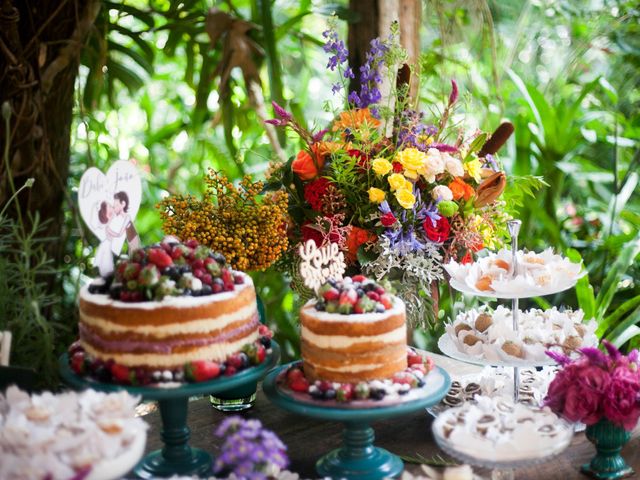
[537, 274]
[495, 432]
[487, 337]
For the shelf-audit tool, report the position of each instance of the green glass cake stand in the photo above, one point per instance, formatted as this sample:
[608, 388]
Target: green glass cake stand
[177, 457]
[358, 458]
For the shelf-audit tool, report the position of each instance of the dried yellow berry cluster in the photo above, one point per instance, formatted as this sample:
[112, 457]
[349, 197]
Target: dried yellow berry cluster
[245, 225]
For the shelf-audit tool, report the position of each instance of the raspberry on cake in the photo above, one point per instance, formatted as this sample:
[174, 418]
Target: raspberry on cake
[353, 331]
[169, 306]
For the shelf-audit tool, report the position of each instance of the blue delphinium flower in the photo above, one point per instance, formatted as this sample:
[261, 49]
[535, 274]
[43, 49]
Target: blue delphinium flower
[412, 132]
[337, 49]
[249, 451]
[370, 76]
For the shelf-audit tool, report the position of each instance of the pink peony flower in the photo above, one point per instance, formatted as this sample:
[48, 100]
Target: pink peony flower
[621, 405]
[582, 405]
[594, 378]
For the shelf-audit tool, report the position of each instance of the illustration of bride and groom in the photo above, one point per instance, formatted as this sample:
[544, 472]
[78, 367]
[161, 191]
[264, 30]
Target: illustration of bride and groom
[116, 221]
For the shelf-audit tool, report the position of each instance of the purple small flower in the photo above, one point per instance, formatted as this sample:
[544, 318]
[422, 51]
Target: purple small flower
[248, 449]
[354, 98]
[443, 147]
[491, 161]
[453, 96]
[370, 76]
[336, 47]
[560, 358]
[276, 121]
[319, 135]
[348, 73]
[336, 87]
[614, 353]
[281, 112]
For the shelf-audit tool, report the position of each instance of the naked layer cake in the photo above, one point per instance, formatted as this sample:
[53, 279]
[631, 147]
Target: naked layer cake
[353, 331]
[170, 309]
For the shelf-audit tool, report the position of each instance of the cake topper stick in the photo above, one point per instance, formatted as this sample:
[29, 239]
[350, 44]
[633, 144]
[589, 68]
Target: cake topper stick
[514, 231]
[320, 264]
[108, 205]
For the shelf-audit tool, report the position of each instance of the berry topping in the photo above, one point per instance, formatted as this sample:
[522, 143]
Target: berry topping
[201, 370]
[170, 269]
[355, 295]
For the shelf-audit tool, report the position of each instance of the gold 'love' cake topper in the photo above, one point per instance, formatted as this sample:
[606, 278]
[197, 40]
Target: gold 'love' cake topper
[320, 264]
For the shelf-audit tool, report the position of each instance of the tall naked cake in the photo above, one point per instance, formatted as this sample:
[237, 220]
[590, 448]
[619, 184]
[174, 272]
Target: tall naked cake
[171, 310]
[353, 331]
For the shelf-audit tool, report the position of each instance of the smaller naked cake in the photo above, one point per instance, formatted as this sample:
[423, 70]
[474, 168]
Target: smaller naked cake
[171, 312]
[353, 331]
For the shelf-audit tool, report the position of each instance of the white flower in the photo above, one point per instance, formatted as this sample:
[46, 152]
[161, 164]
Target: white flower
[441, 192]
[453, 165]
[433, 165]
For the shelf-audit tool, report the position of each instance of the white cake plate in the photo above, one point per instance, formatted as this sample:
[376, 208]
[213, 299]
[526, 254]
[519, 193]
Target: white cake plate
[449, 348]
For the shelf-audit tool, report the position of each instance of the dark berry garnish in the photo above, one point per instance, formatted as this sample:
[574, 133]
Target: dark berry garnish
[353, 295]
[329, 394]
[266, 341]
[377, 393]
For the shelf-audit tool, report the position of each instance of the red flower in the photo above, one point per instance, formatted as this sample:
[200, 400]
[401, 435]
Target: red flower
[314, 191]
[438, 232]
[363, 158]
[388, 219]
[356, 237]
[397, 167]
[309, 232]
[466, 259]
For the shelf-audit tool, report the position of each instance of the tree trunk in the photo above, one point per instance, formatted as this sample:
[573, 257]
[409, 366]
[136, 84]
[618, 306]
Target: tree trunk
[374, 20]
[40, 44]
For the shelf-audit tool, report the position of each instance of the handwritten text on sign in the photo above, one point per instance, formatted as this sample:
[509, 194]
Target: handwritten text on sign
[320, 264]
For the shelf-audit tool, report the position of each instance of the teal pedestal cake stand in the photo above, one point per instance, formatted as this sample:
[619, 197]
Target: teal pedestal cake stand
[358, 458]
[176, 457]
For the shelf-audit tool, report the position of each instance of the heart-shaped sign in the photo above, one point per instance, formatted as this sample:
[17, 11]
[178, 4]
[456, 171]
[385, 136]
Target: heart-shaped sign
[109, 203]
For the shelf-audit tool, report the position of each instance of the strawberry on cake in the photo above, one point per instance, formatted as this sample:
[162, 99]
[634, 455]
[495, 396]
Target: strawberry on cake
[353, 331]
[171, 312]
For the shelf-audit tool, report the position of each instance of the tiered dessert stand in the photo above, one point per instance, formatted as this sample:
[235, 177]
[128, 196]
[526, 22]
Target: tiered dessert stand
[358, 458]
[176, 457]
[448, 347]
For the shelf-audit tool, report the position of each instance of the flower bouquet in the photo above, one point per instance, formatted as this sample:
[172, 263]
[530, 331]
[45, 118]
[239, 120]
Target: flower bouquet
[400, 194]
[597, 386]
[603, 392]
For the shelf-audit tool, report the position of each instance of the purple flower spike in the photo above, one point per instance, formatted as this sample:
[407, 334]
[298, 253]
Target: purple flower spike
[594, 354]
[561, 358]
[319, 135]
[453, 96]
[281, 112]
[443, 147]
[276, 121]
[614, 353]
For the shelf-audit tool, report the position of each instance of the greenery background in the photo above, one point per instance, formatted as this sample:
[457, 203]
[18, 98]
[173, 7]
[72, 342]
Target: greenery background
[566, 73]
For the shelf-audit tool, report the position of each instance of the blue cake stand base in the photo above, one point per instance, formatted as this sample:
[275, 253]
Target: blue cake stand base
[358, 458]
[176, 457]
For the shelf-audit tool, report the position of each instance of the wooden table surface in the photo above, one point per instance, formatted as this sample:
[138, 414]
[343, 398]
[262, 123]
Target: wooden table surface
[308, 439]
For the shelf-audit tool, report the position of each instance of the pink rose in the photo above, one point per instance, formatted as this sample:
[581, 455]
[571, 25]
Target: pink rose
[625, 373]
[622, 405]
[582, 405]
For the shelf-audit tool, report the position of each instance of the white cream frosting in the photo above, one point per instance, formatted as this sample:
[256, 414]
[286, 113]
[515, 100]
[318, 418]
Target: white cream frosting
[216, 351]
[203, 325]
[344, 341]
[168, 301]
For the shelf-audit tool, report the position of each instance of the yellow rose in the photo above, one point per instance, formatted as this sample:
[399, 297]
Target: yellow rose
[397, 182]
[381, 166]
[474, 169]
[412, 174]
[376, 195]
[411, 159]
[405, 198]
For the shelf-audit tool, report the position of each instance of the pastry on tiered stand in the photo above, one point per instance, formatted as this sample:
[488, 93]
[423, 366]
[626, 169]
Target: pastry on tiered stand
[489, 335]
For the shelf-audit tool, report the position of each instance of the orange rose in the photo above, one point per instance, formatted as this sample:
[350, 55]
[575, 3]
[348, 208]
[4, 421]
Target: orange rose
[356, 237]
[306, 166]
[460, 189]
